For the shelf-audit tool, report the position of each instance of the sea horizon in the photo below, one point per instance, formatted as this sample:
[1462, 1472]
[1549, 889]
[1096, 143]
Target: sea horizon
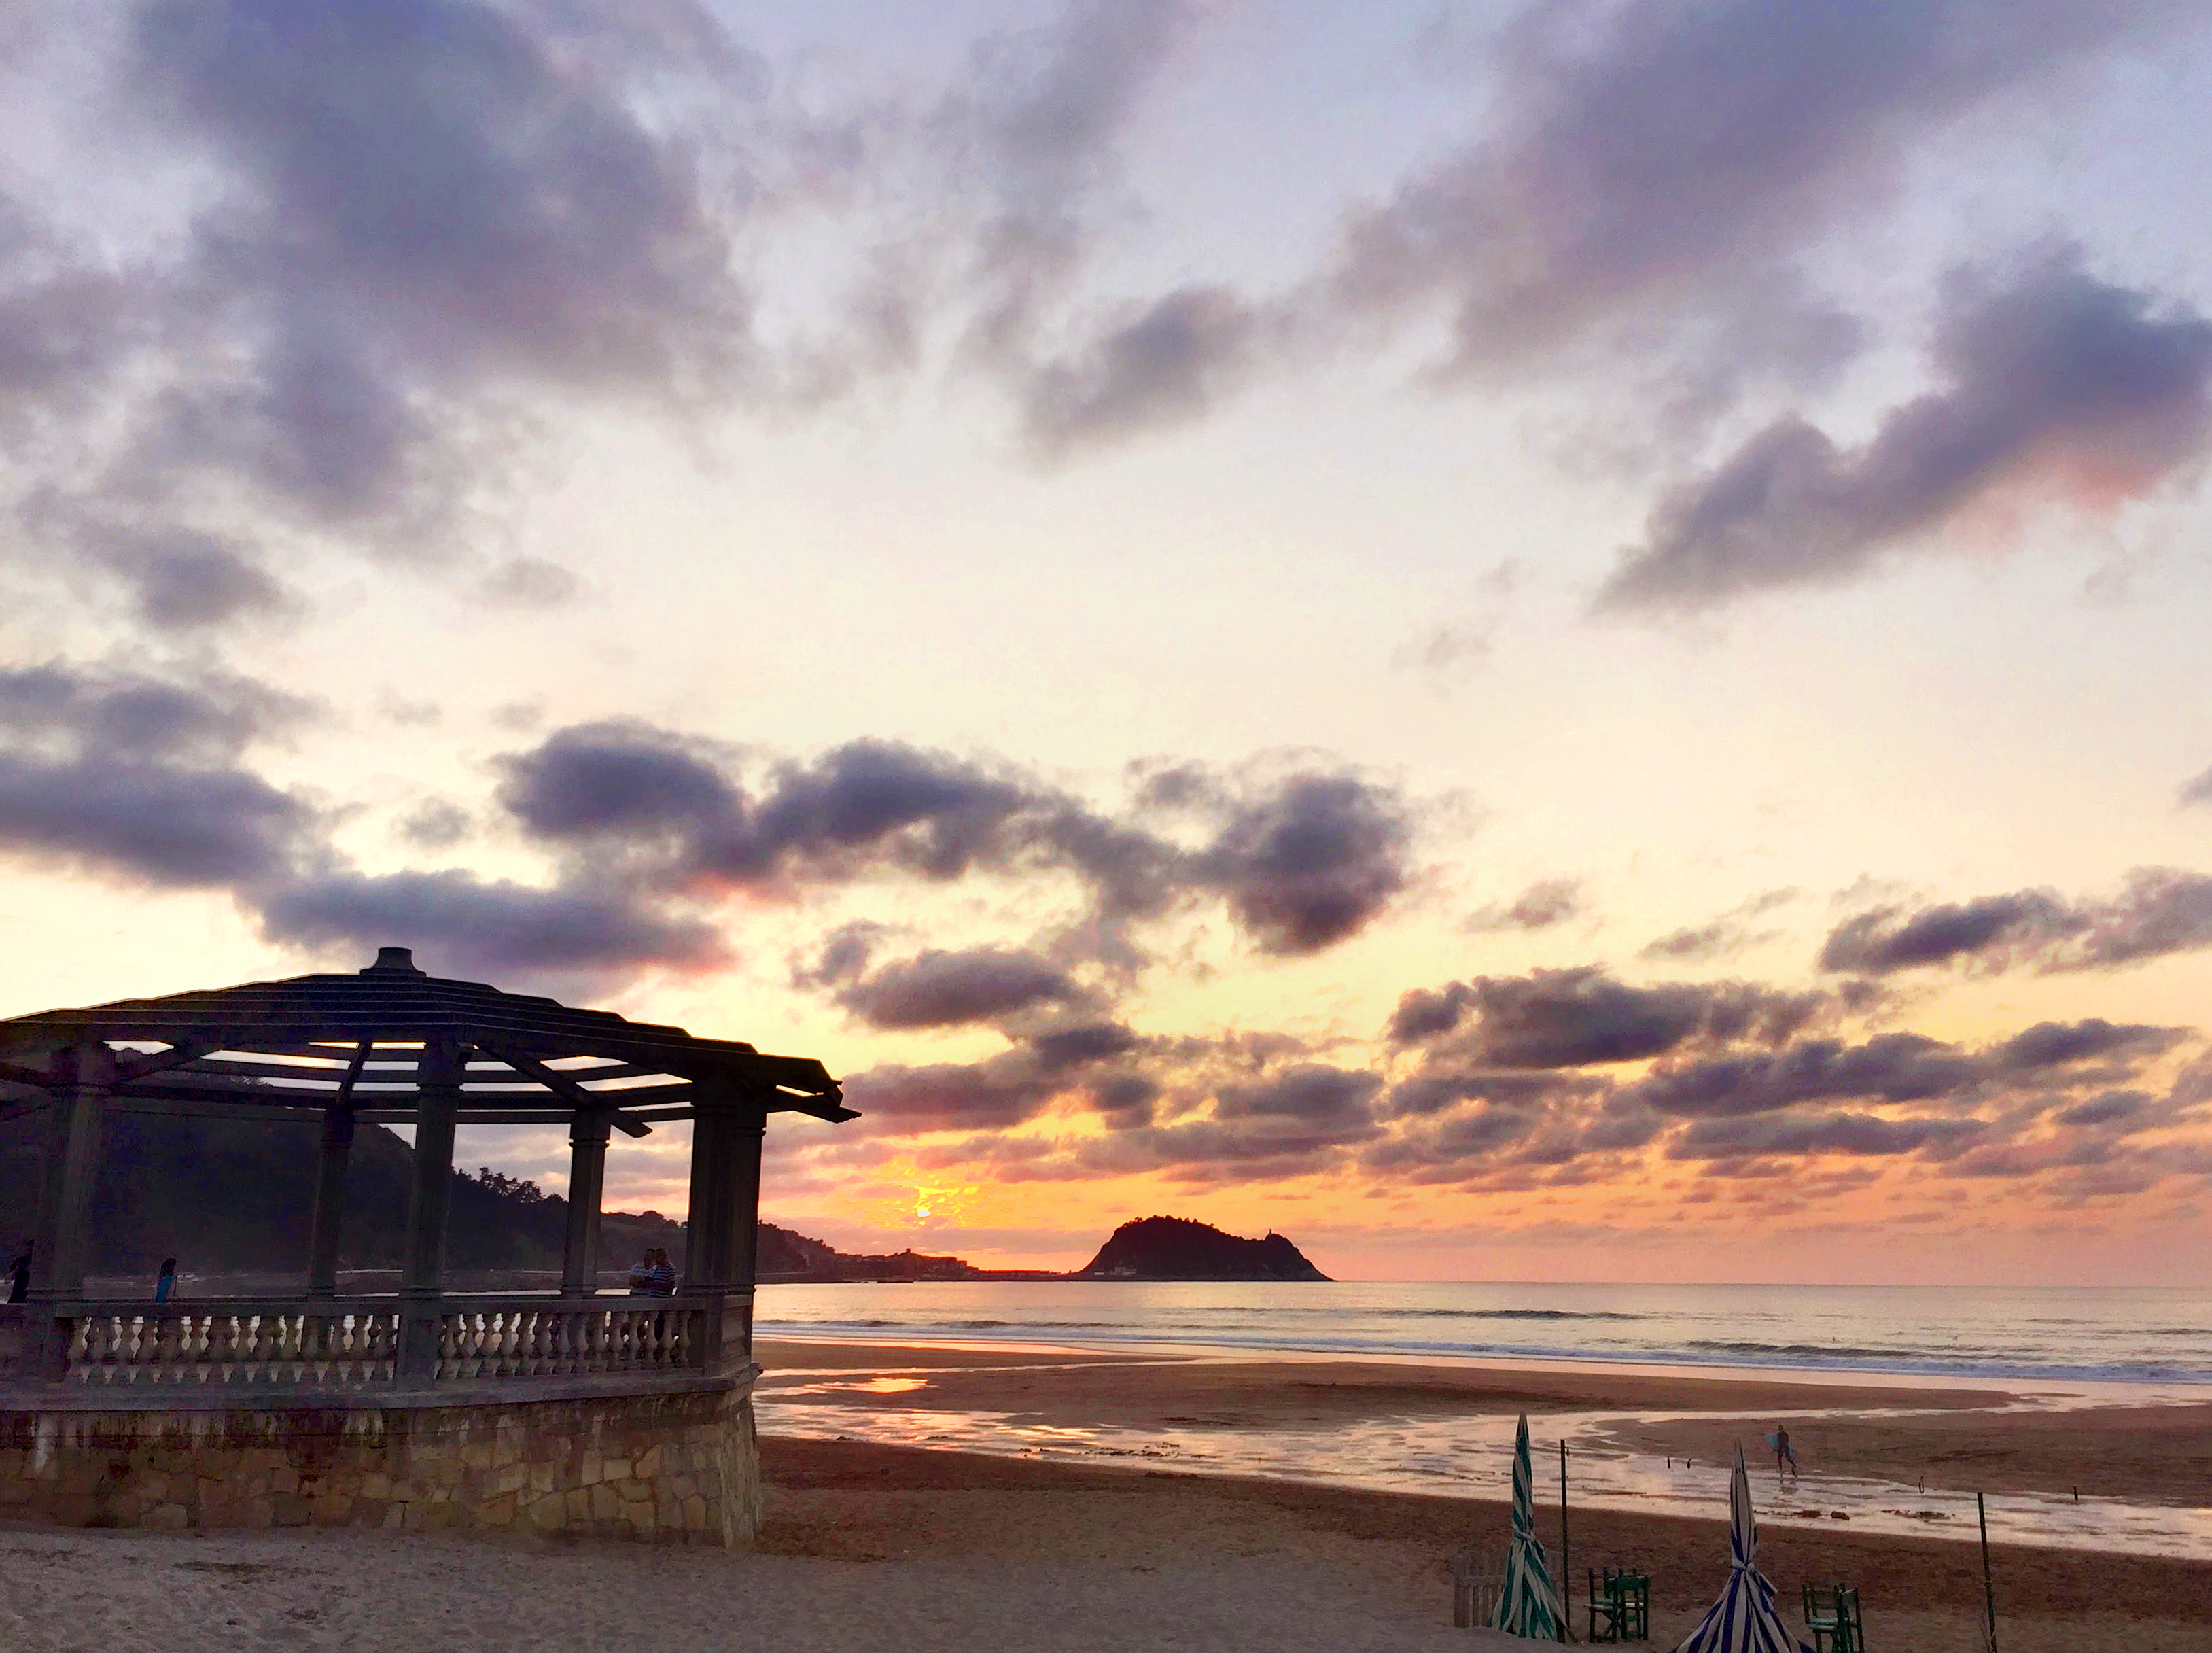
[2099, 1334]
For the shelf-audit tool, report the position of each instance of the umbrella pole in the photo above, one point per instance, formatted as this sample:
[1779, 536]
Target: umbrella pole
[1567, 1569]
[1989, 1592]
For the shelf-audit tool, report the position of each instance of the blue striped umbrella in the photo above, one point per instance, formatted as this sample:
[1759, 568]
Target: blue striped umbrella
[1744, 1620]
[1528, 1606]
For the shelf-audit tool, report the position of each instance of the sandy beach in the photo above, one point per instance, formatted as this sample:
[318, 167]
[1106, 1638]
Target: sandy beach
[870, 1546]
[867, 1543]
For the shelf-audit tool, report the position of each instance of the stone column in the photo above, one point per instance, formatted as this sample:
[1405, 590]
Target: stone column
[329, 1200]
[423, 1264]
[587, 1174]
[727, 1132]
[85, 1076]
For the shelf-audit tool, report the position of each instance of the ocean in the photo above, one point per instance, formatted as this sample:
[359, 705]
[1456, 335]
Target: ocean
[2073, 1335]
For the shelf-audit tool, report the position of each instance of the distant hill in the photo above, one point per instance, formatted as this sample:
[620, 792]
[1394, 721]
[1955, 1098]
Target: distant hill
[234, 1196]
[1177, 1248]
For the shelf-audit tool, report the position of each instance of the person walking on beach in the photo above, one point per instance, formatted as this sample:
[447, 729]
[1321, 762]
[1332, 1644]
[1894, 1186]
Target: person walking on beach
[18, 1276]
[165, 1283]
[1782, 1453]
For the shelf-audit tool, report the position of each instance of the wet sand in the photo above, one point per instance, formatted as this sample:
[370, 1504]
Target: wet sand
[1956, 1439]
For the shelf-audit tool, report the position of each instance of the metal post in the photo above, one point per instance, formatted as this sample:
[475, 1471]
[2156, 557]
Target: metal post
[329, 1200]
[587, 1173]
[1566, 1569]
[1989, 1590]
[422, 1277]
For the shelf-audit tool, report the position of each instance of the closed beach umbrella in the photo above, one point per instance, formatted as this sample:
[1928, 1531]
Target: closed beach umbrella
[1744, 1620]
[1528, 1606]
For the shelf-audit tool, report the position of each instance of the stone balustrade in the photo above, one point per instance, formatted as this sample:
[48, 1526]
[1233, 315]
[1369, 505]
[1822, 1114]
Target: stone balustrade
[341, 1344]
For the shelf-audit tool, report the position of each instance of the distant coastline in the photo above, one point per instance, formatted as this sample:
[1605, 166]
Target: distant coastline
[1144, 1248]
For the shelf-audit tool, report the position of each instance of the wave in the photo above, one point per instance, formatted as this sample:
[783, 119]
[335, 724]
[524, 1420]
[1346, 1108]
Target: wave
[1500, 1314]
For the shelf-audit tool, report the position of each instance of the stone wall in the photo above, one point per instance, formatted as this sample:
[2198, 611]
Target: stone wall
[672, 1468]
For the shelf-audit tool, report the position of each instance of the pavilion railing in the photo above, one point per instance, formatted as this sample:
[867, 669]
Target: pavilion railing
[501, 1338]
[342, 1344]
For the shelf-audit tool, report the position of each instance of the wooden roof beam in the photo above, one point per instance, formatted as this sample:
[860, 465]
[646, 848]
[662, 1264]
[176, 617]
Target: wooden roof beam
[562, 1085]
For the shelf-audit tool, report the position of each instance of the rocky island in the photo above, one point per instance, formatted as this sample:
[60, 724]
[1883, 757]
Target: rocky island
[1177, 1248]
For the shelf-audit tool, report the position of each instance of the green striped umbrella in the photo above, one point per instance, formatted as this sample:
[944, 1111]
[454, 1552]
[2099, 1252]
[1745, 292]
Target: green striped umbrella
[1528, 1606]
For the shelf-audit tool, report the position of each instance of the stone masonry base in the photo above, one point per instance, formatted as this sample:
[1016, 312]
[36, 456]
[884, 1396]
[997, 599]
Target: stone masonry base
[669, 1468]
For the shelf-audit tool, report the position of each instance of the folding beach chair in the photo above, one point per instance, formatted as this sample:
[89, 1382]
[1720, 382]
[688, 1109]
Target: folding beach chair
[1621, 1605]
[1832, 1614]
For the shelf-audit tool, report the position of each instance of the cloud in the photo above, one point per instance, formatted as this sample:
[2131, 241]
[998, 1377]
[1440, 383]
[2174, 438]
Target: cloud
[1042, 112]
[463, 923]
[1863, 1134]
[126, 776]
[949, 1096]
[2061, 1044]
[1893, 1067]
[1547, 903]
[1166, 366]
[2159, 911]
[2054, 384]
[1312, 1092]
[528, 582]
[1731, 932]
[157, 823]
[382, 230]
[1582, 1017]
[434, 823]
[1303, 862]
[181, 580]
[614, 780]
[1311, 862]
[2109, 1108]
[1652, 160]
[938, 988]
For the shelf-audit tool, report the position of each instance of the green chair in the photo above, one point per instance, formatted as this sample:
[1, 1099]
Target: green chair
[1832, 1614]
[1619, 1606]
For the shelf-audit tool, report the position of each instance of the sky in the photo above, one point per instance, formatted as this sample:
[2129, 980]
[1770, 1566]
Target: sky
[1556, 642]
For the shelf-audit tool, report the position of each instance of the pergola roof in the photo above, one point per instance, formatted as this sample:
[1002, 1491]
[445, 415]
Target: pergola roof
[358, 1039]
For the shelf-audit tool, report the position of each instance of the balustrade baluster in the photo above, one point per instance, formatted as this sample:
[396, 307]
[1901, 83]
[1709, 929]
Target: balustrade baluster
[268, 1348]
[221, 1342]
[128, 1330]
[290, 1327]
[85, 1340]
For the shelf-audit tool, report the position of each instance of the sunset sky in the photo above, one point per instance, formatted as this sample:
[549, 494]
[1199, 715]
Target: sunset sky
[1523, 642]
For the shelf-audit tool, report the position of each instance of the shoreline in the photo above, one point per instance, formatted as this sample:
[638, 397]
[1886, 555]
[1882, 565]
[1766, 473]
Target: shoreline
[2128, 1473]
[2115, 1391]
